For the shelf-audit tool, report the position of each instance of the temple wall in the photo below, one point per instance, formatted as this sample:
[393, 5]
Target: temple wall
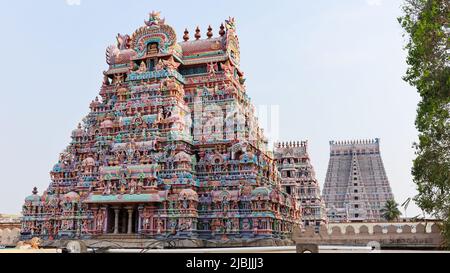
[419, 235]
[9, 237]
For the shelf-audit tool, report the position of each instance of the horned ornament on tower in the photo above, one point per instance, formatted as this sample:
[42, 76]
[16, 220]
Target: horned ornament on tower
[230, 24]
[154, 19]
[123, 41]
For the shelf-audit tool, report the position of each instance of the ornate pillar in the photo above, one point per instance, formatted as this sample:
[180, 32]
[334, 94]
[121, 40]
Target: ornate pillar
[124, 220]
[105, 219]
[116, 220]
[152, 224]
[130, 221]
[140, 219]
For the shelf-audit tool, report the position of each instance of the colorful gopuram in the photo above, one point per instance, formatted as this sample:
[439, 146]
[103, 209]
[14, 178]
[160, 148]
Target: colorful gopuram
[171, 147]
[298, 179]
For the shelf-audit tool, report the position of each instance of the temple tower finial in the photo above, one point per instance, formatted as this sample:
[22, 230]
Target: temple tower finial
[209, 33]
[197, 33]
[186, 35]
[222, 30]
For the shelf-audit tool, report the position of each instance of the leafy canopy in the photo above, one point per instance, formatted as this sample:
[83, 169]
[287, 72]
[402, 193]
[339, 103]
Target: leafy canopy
[426, 23]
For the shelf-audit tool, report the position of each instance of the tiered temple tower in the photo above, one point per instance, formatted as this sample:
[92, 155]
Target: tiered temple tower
[356, 187]
[171, 147]
[299, 179]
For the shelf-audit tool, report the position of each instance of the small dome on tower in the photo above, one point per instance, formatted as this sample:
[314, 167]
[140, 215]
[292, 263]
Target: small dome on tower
[79, 132]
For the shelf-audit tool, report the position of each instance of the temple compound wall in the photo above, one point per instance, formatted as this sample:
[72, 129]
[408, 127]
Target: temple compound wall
[171, 147]
[9, 230]
[381, 235]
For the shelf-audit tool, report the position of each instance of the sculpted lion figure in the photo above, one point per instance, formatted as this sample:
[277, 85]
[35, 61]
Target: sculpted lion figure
[31, 244]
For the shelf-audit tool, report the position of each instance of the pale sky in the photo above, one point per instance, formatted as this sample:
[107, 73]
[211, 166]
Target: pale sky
[333, 68]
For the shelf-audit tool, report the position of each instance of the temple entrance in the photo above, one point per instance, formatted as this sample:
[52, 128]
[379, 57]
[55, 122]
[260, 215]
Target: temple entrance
[122, 220]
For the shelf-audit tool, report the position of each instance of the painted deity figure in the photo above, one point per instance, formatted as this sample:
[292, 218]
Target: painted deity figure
[107, 190]
[258, 203]
[255, 226]
[118, 78]
[85, 228]
[45, 229]
[99, 219]
[173, 225]
[235, 224]
[160, 226]
[146, 220]
[123, 184]
[132, 186]
[123, 188]
[64, 225]
[192, 205]
[225, 204]
[142, 67]
[188, 224]
[152, 48]
[154, 182]
[185, 203]
[228, 225]
[182, 225]
[159, 66]
[212, 68]
[217, 225]
[140, 185]
[101, 184]
[113, 187]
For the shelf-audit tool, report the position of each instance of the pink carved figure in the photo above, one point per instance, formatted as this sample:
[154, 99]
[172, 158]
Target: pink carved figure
[99, 221]
[140, 185]
[212, 68]
[132, 186]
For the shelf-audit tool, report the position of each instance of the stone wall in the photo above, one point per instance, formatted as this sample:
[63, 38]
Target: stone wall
[417, 235]
[9, 237]
[9, 229]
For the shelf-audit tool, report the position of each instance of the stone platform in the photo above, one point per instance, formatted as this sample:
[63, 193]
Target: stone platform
[130, 242]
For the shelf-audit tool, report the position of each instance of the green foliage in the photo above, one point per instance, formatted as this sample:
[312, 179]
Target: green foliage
[426, 23]
[390, 211]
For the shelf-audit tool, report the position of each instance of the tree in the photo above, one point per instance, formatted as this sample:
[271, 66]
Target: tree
[426, 23]
[390, 211]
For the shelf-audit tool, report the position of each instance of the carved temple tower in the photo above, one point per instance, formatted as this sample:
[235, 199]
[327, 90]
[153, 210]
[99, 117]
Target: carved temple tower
[356, 186]
[171, 147]
[298, 179]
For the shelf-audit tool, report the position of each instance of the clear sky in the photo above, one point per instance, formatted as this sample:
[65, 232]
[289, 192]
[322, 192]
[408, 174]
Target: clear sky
[333, 68]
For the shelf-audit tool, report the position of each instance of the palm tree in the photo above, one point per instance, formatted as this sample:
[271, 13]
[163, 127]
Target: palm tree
[390, 210]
